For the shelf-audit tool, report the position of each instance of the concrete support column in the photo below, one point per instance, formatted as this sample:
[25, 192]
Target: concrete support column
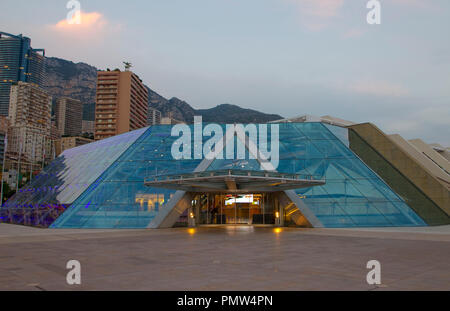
[197, 210]
[193, 212]
[191, 218]
[281, 209]
[277, 210]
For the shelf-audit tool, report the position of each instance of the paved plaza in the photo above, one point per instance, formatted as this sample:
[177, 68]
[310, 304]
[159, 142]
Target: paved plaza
[225, 258]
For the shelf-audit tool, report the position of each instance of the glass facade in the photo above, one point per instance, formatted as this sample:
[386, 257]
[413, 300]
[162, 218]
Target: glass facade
[18, 62]
[48, 195]
[119, 198]
[353, 196]
[101, 185]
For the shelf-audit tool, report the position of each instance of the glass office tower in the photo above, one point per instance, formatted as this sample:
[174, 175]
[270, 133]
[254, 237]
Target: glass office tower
[18, 62]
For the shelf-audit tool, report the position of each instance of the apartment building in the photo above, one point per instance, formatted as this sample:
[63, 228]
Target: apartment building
[121, 103]
[69, 115]
[154, 116]
[70, 142]
[30, 122]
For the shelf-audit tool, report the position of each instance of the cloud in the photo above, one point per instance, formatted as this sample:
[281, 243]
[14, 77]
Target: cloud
[378, 88]
[321, 8]
[315, 14]
[88, 20]
[93, 25]
[427, 123]
[353, 33]
[415, 3]
[80, 42]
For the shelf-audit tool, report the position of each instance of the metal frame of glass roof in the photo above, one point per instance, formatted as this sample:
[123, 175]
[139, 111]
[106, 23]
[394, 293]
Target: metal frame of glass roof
[233, 181]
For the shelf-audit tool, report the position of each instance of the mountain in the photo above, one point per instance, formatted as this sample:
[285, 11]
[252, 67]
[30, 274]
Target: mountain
[78, 81]
[227, 113]
[65, 78]
[178, 108]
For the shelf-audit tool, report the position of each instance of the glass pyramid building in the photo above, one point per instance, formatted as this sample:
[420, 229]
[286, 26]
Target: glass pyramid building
[101, 185]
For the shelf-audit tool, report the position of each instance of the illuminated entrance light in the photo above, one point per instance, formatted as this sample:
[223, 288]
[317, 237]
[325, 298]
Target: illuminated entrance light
[239, 199]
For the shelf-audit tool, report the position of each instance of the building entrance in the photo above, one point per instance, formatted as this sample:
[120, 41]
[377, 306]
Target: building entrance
[235, 209]
[234, 196]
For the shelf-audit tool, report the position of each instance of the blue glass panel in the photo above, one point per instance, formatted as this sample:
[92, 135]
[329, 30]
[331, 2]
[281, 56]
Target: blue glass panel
[333, 149]
[353, 194]
[341, 133]
[68, 176]
[121, 200]
[314, 130]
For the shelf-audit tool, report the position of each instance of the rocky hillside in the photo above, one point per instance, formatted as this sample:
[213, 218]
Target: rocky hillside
[178, 108]
[224, 113]
[65, 78]
[227, 113]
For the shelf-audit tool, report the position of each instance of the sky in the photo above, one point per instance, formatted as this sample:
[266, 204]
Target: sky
[289, 57]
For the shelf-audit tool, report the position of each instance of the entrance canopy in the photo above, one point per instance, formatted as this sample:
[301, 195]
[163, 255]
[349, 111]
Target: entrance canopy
[233, 181]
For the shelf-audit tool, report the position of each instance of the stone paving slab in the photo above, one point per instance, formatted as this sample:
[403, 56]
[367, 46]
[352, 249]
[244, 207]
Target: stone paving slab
[224, 258]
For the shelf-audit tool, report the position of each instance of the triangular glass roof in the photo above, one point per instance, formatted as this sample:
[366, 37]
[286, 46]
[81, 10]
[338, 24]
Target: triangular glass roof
[101, 185]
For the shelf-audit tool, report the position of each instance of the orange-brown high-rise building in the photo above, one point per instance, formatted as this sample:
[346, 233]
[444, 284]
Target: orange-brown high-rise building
[121, 103]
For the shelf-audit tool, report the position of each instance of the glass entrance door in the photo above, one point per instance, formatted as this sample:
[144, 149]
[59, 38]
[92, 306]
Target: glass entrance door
[235, 209]
[241, 208]
[242, 214]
